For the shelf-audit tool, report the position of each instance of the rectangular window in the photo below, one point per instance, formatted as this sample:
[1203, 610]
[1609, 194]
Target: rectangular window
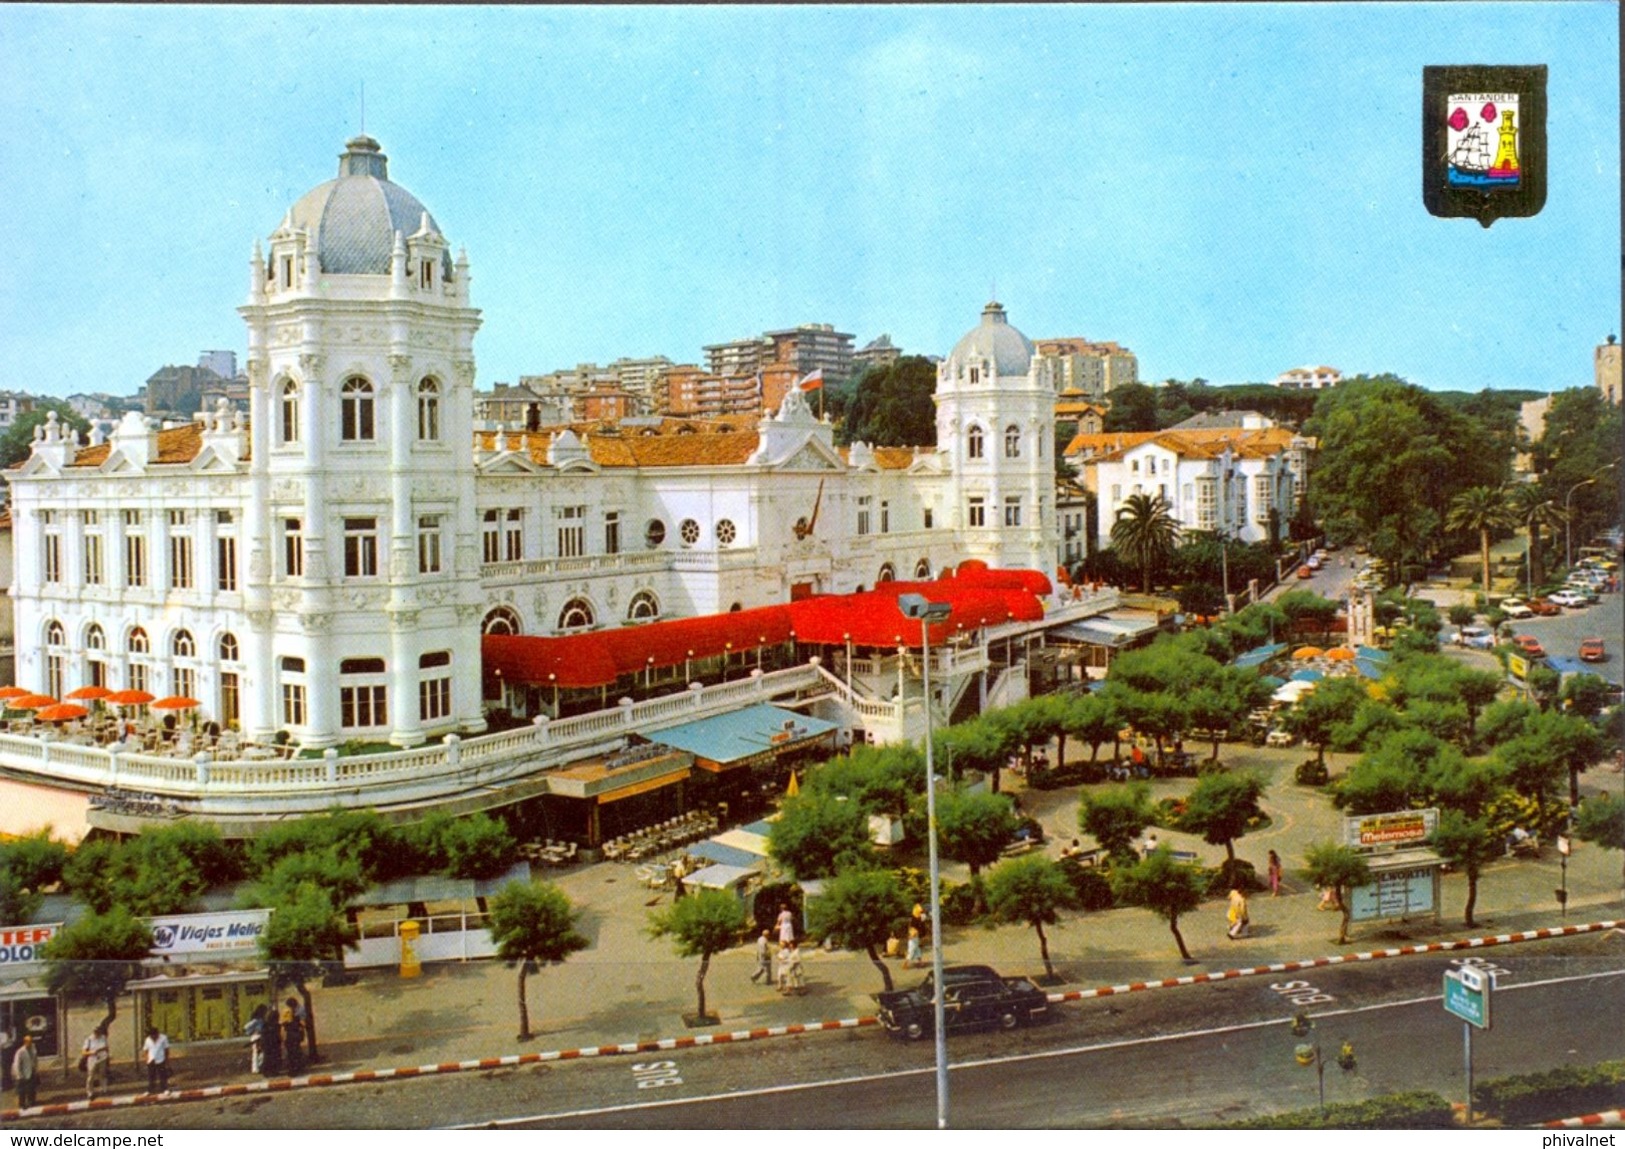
[225, 548]
[978, 512]
[429, 544]
[491, 538]
[293, 704]
[1012, 510]
[361, 548]
[185, 681]
[885, 516]
[93, 560]
[926, 518]
[138, 676]
[513, 535]
[51, 545]
[54, 675]
[293, 548]
[231, 698]
[434, 699]
[180, 561]
[612, 532]
[287, 271]
[863, 513]
[135, 550]
[363, 706]
[572, 532]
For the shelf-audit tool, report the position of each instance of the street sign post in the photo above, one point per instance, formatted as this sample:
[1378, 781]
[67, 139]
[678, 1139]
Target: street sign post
[1467, 996]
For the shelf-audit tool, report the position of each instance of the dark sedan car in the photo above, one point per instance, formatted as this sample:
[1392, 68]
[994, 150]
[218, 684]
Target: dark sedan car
[976, 998]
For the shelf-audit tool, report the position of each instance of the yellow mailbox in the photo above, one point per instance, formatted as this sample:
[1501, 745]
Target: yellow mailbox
[410, 966]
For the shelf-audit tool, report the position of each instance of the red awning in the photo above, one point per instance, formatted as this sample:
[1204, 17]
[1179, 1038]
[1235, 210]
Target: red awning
[976, 596]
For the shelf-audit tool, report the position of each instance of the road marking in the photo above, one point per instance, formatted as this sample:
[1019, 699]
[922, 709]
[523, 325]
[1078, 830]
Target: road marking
[655, 1074]
[986, 1062]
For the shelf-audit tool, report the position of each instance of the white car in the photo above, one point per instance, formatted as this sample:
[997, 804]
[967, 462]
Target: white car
[1477, 637]
[1280, 738]
[1516, 608]
[1583, 590]
[1568, 598]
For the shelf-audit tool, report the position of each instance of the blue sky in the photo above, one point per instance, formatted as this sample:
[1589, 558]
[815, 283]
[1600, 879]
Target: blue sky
[1228, 190]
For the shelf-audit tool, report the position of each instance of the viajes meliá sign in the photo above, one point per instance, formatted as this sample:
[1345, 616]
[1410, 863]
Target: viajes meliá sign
[231, 934]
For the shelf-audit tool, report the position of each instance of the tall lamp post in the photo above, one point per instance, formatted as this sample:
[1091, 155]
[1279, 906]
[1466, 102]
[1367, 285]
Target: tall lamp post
[918, 606]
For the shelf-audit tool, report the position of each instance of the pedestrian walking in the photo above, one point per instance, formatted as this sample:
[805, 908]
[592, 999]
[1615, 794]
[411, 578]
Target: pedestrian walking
[5, 1058]
[1273, 871]
[1237, 915]
[798, 981]
[912, 957]
[93, 1059]
[764, 959]
[293, 1039]
[784, 967]
[271, 1042]
[25, 1072]
[787, 925]
[155, 1052]
[255, 1029]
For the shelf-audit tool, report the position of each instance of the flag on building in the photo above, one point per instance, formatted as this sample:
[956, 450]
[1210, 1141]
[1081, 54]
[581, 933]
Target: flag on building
[813, 381]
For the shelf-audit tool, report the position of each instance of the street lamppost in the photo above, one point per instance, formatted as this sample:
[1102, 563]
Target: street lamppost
[918, 606]
[1568, 519]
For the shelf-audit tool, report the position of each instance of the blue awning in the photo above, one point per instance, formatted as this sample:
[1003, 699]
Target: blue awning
[1565, 665]
[1367, 668]
[1308, 674]
[725, 855]
[1371, 653]
[1258, 655]
[743, 734]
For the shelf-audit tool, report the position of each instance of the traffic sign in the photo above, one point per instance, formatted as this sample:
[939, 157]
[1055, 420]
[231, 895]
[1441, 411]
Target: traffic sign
[1467, 995]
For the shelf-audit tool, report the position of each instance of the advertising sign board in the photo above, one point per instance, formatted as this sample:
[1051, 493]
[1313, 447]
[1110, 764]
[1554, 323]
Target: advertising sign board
[221, 935]
[22, 945]
[1399, 828]
[1395, 894]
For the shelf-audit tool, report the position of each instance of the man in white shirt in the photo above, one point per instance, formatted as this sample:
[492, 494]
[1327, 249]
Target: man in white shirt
[155, 1050]
[96, 1056]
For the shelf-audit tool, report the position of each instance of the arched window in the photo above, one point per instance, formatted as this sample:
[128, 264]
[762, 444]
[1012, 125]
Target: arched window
[576, 615]
[429, 411]
[55, 635]
[289, 424]
[1012, 442]
[973, 443]
[356, 411]
[501, 620]
[654, 533]
[184, 676]
[887, 574]
[229, 650]
[138, 641]
[644, 606]
[94, 638]
[95, 650]
[922, 569]
[182, 646]
[56, 663]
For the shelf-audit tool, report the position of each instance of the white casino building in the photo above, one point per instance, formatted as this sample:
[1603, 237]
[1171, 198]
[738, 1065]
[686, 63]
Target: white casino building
[328, 566]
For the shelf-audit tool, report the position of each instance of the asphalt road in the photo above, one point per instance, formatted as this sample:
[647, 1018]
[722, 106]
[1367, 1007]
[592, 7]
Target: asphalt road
[1194, 1055]
[1561, 634]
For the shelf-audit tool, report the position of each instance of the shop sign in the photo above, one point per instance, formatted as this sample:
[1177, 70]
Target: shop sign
[1395, 894]
[1400, 828]
[20, 945]
[207, 933]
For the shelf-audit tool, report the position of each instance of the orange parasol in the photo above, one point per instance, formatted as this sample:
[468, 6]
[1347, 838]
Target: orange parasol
[1308, 652]
[129, 698]
[176, 702]
[31, 702]
[7, 693]
[89, 693]
[61, 712]
[1340, 654]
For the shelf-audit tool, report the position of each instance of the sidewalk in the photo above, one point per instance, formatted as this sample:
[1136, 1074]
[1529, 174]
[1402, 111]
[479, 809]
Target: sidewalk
[628, 987]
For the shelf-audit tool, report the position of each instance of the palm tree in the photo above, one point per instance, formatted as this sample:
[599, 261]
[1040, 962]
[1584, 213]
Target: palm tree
[1481, 509]
[1145, 533]
[1535, 510]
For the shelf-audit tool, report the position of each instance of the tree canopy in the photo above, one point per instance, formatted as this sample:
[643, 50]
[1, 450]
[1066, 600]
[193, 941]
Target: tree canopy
[533, 923]
[858, 909]
[15, 442]
[818, 834]
[1334, 866]
[700, 925]
[1115, 816]
[1030, 890]
[892, 406]
[1162, 885]
[974, 827]
[1221, 806]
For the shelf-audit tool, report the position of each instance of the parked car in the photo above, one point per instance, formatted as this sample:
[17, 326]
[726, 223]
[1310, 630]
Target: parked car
[1280, 738]
[1592, 650]
[1477, 637]
[1516, 608]
[974, 997]
[1314, 562]
[1528, 646]
[1306, 572]
[1544, 607]
[1569, 598]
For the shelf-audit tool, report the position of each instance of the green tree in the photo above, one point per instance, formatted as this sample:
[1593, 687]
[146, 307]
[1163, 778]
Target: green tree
[1316, 716]
[533, 924]
[1094, 719]
[1585, 695]
[1483, 511]
[819, 834]
[1114, 816]
[880, 779]
[1133, 408]
[307, 934]
[28, 865]
[974, 828]
[97, 956]
[1330, 865]
[15, 444]
[979, 745]
[703, 924]
[1505, 720]
[1536, 511]
[1468, 844]
[857, 910]
[1145, 533]
[1031, 890]
[892, 405]
[1465, 785]
[1572, 742]
[463, 845]
[1221, 806]
[1165, 887]
[1601, 820]
[1460, 614]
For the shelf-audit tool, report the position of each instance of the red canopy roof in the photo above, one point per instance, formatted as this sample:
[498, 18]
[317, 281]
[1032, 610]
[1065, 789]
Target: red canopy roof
[976, 597]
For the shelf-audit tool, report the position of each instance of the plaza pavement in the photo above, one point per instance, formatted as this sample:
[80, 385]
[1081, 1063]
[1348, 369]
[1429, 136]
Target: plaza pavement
[629, 987]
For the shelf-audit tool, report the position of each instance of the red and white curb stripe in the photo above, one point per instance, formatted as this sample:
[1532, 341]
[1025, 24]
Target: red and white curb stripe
[282, 1085]
[1336, 959]
[1606, 1117]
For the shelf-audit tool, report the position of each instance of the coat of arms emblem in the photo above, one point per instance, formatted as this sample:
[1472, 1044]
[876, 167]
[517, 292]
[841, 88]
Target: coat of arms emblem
[1484, 141]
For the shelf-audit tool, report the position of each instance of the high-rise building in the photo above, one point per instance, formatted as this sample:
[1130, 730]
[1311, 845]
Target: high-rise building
[1085, 370]
[876, 353]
